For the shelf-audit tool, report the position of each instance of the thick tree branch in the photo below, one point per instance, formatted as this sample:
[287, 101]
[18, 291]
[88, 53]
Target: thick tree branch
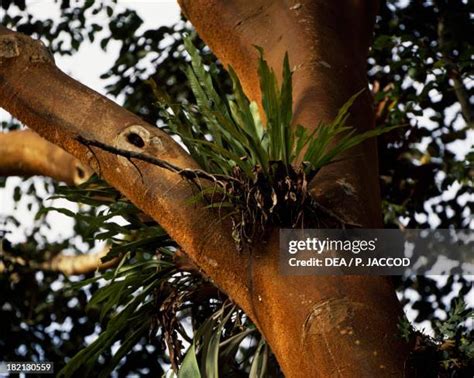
[25, 153]
[60, 109]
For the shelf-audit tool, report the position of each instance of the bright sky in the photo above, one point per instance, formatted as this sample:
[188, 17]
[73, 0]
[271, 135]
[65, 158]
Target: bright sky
[90, 62]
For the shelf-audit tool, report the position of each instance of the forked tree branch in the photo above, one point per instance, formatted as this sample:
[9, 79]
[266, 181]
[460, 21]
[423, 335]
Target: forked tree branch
[316, 326]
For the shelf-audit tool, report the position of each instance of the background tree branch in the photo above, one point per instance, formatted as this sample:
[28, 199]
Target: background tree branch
[25, 153]
[68, 265]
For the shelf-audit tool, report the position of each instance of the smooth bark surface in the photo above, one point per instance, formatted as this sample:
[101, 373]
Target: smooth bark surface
[316, 326]
[25, 153]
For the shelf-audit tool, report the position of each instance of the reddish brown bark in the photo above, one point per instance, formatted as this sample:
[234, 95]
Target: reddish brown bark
[25, 153]
[317, 326]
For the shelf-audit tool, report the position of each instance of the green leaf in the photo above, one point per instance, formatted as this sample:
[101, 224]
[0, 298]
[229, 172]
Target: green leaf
[260, 360]
[383, 42]
[189, 368]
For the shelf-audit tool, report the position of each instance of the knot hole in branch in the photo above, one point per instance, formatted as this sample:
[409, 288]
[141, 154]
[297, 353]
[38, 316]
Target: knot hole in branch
[82, 173]
[136, 140]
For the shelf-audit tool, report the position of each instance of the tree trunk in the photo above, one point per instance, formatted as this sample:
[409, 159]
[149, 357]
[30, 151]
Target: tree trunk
[316, 326]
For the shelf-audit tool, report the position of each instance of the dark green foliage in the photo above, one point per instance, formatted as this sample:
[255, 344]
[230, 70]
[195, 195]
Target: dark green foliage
[421, 50]
[34, 317]
[450, 352]
[418, 167]
[78, 22]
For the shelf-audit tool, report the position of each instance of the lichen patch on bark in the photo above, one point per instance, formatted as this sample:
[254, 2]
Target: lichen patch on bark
[8, 47]
[12, 45]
